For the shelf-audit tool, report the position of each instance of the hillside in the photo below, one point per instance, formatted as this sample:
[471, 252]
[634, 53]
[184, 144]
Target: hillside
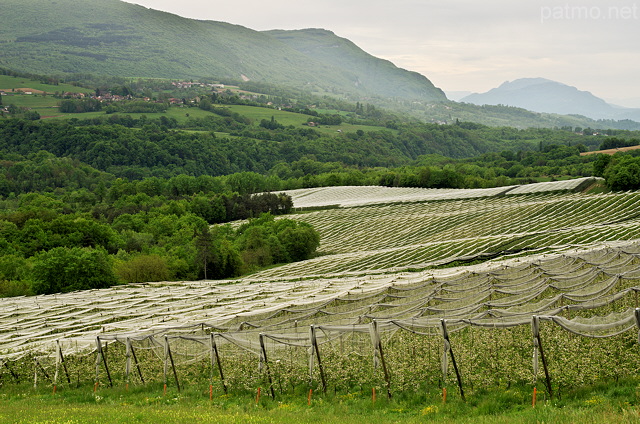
[87, 41]
[370, 71]
[543, 95]
[114, 38]
[394, 277]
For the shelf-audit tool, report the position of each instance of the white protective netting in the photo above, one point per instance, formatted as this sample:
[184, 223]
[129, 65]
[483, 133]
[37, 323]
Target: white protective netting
[589, 293]
[339, 308]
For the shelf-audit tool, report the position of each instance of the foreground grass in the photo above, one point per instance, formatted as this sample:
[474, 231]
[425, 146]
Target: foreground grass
[611, 403]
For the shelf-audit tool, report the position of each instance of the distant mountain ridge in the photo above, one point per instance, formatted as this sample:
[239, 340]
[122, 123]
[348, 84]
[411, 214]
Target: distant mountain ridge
[547, 96]
[111, 37]
[370, 71]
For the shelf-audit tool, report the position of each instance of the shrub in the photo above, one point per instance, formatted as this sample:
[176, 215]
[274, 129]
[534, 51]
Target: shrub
[64, 269]
[143, 268]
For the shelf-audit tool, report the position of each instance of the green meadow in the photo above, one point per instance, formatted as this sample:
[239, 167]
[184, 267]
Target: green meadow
[8, 83]
[610, 403]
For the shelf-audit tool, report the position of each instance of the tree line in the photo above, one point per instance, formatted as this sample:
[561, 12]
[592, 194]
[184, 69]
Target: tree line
[76, 238]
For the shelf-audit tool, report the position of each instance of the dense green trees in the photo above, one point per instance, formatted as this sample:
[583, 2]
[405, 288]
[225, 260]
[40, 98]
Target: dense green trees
[154, 149]
[271, 124]
[615, 142]
[76, 239]
[64, 269]
[621, 171]
[79, 106]
[261, 242]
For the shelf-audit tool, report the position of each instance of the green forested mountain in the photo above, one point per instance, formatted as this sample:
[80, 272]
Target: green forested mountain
[369, 71]
[115, 38]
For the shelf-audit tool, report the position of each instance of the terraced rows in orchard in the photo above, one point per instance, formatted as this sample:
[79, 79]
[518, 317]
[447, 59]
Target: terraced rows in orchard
[418, 234]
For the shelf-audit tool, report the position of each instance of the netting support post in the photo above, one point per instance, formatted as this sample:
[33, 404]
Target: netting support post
[314, 343]
[266, 363]
[135, 360]
[547, 378]
[104, 360]
[173, 366]
[64, 364]
[445, 334]
[216, 355]
[387, 377]
[44, 372]
[13, 374]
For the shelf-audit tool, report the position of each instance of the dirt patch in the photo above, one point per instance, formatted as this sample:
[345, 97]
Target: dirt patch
[611, 151]
[24, 90]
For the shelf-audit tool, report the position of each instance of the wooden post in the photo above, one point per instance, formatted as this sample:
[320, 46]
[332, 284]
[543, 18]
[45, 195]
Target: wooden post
[445, 334]
[64, 364]
[214, 351]
[173, 366]
[164, 368]
[544, 365]
[44, 372]
[387, 378]
[104, 359]
[135, 361]
[314, 343]
[13, 374]
[266, 363]
[127, 368]
[535, 328]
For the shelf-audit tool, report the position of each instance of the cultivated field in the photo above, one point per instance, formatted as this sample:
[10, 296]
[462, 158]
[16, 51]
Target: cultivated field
[384, 306]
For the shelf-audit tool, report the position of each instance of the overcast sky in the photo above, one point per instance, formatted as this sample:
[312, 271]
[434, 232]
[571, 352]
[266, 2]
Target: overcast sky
[465, 45]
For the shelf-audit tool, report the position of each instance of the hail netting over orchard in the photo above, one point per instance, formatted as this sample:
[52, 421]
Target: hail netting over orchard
[318, 328]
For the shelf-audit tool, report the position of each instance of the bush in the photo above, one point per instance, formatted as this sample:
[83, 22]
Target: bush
[64, 269]
[143, 268]
[623, 173]
[15, 288]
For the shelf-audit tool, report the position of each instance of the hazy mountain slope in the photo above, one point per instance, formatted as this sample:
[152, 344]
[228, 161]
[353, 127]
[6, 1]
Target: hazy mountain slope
[116, 38]
[543, 95]
[370, 72]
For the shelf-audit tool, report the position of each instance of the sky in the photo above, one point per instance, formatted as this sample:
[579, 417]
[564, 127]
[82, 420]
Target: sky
[465, 45]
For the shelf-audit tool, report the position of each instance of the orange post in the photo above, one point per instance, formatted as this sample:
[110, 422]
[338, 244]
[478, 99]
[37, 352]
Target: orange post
[258, 396]
[373, 395]
[164, 390]
[127, 387]
[95, 387]
[210, 391]
[54, 389]
[535, 394]
[309, 397]
[444, 395]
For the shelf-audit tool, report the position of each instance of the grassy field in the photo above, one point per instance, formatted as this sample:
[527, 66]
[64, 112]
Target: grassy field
[256, 114]
[47, 107]
[611, 403]
[8, 83]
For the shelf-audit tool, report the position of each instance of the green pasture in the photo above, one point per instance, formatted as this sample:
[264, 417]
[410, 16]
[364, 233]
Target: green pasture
[610, 403]
[47, 106]
[7, 83]
[256, 114]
